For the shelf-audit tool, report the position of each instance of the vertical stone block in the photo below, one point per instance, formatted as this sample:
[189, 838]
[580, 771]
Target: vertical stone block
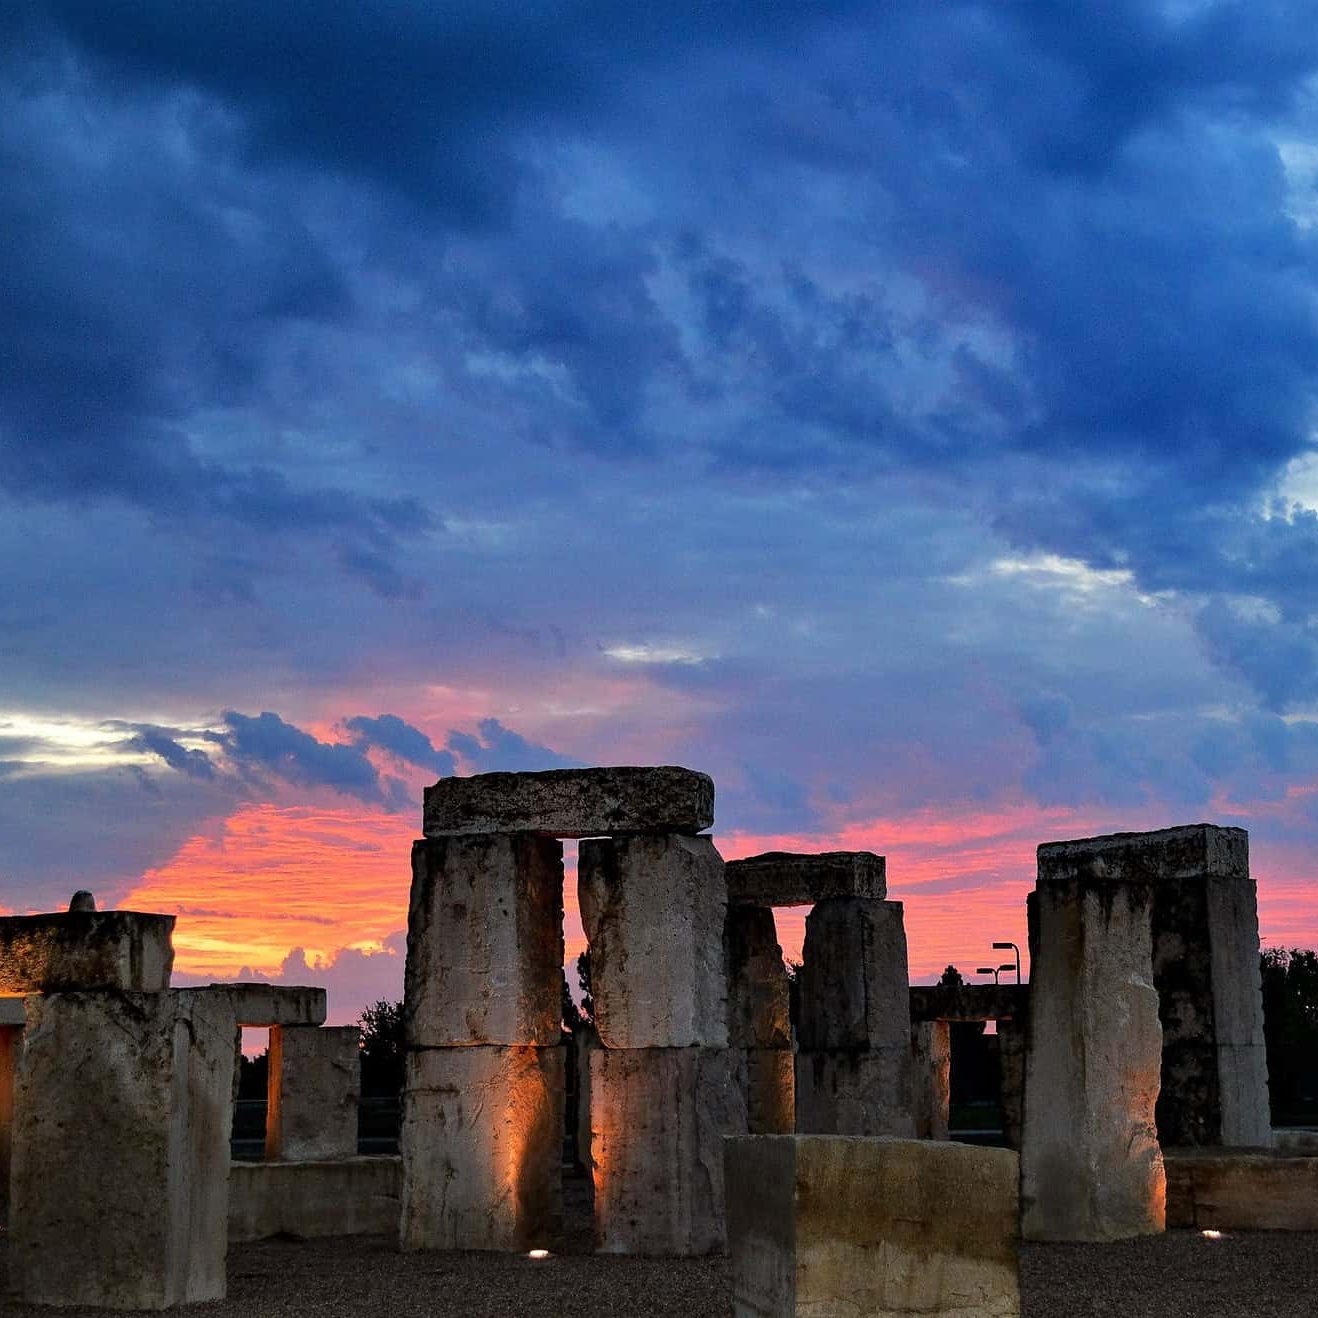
[770, 1091]
[11, 1047]
[313, 1091]
[653, 908]
[871, 1227]
[121, 1150]
[853, 1070]
[482, 1145]
[759, 1019]
[931, 1065]
[484, 941]
[658, 1118]
[1091, 1167]
[1013, 1038]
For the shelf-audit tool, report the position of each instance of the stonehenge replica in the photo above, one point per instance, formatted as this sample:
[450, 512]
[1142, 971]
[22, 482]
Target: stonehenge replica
[803, 1130]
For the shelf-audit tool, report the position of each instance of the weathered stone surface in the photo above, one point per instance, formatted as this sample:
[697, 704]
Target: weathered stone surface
[871, 1228]
[792, 878]
[74, 950]
[347, 1197]
[585, 1041]
[1013, 1042]
[482, 1143]
[1191, 851]
[854, 991]
[969, 1002]
[1091, 1168]
[759, 993]
[1241, 1190]
[11, 1047]
[931, 1077]
[12, 1013]
[258, 1005]
[313, 1090]
[855, 1092]
[485, 941]
[769, 1085]
[653, 908]
[572, 802]
[658, 1118]
[121, 1149]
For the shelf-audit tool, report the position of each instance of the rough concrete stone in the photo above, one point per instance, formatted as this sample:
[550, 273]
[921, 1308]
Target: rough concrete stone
[759, 993]
[969, 1002]
[1091, 1168]
[769, 1086]
[871, 1228]
[855, 1092]
[653, 908]
[854, 990]
[260, 1006]
[485, 941]
[75, 950]
[12, 1013]
[11, 1047]
[1013, 1043]
[313, 1091]
[1241, 1190]
[1191, 851]
[585, 1041]
[347, 1197]
[931, 1078]
[658, 1118]
[121, 1149]
[790, 878]
[482, 1144]
[572, 802]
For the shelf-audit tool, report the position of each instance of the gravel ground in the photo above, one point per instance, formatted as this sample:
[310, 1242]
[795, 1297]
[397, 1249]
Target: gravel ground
[1163, 1277]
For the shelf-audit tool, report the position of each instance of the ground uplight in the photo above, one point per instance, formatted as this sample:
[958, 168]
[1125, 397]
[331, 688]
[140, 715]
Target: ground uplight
[538, 1254]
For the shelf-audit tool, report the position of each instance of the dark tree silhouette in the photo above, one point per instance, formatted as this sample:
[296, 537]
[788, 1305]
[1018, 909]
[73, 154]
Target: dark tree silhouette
[382, 1047]
[587, 1011]
[1290, 1029]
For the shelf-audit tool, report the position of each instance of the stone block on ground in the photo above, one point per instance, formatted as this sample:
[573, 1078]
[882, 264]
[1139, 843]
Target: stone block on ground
[260, 1006]
[1241, 1190]
[855, 1092]
[653, 908]
[306, 1200]
[854, 989]
[121, 1150]
[81, 950]
[485, 941]
[1091, 1166]
[313, 1091]
[658, 1118]
[573, 802]
[791, 878]
[871, 1228]
[482, 1147]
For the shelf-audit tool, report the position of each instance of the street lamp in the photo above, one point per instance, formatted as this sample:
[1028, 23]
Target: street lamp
[990, 970]
[1005, 947]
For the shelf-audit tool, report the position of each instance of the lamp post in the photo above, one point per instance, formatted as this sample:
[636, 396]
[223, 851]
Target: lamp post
[990, 970]
[1005, 947]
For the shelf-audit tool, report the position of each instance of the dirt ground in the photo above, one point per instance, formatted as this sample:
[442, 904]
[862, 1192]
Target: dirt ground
[1179, 1274]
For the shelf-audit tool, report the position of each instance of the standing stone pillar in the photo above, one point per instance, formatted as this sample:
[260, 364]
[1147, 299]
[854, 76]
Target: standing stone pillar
[482, 1129]
[663, 1087]
[931, 1067]
[313, 1091]
[1091, 1168]
[759, 1019]
[121, 1149]
[1013, 1037]
[853, 1070]
[11, 1046]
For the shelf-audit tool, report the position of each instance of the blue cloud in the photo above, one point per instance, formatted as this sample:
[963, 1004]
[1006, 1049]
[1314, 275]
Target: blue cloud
[400, 738]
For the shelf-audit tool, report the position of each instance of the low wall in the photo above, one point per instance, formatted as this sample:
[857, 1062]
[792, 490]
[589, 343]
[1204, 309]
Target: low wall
[351, 1197]
[1241, 1190]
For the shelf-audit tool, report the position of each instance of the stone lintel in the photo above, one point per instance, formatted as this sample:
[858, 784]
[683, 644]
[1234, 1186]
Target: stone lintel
[264, 1006]
[791, 878]
[72, 951]
[969, 1002]
[572, 802]
[1191, 851]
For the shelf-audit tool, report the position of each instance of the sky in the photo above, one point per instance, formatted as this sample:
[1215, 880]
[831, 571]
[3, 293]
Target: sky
[904, 413]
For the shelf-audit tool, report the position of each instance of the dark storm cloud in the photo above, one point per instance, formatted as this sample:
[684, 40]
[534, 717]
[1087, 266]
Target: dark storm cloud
[497, 748]
[157, 741]
[400, 738]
